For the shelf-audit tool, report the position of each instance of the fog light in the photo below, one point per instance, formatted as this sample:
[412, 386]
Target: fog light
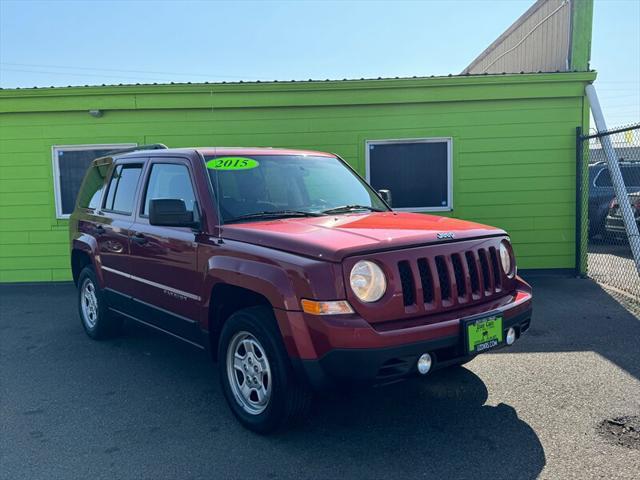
[424, 363]
[511, 336]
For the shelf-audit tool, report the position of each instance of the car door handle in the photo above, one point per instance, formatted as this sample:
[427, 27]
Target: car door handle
[139, 238]
[99, 230]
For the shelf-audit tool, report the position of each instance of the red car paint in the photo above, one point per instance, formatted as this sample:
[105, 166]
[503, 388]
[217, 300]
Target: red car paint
[167, 277]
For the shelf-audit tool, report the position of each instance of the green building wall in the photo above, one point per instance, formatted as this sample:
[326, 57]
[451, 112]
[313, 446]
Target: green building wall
[513, 146]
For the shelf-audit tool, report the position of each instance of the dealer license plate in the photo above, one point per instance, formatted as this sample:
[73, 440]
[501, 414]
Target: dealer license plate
[484, 334]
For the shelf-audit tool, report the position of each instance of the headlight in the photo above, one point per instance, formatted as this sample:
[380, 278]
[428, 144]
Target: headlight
[367, 281]
[505, 258]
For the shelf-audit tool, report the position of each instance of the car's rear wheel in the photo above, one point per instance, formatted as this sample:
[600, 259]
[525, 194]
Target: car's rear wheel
[256, 374]
[96, 319]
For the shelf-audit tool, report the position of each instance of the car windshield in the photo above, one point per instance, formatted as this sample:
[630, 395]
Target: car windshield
[279, 186]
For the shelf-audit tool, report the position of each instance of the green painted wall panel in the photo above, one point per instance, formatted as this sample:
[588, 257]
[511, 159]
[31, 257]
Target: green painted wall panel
[513, 146]
[24, 275]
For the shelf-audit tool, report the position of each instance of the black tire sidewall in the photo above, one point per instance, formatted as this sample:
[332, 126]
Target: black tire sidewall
[262, 325]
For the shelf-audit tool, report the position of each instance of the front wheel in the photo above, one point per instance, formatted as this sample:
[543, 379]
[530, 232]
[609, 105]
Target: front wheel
[255, 372]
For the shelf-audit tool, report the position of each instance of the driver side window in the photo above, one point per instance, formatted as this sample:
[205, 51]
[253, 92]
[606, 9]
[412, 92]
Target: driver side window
[169, 180]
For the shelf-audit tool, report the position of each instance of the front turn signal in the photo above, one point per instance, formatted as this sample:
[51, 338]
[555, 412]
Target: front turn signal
[337, 307]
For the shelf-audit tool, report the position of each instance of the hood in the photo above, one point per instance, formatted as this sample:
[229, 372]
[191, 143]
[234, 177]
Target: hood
[335, 237]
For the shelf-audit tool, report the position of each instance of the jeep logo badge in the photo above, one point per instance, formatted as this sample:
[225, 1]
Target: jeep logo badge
[446, 236]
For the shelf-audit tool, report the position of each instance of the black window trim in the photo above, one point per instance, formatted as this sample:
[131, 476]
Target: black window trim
[129, 161]
[447, 140]
[57, 188]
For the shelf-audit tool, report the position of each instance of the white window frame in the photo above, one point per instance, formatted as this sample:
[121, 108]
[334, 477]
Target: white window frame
[447, 140]
[55, 149]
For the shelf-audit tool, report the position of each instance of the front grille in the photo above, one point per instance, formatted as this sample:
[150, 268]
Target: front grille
[454, 279]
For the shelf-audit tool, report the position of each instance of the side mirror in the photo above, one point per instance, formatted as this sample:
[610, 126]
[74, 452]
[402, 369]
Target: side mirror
[386, 195]
[170, 212]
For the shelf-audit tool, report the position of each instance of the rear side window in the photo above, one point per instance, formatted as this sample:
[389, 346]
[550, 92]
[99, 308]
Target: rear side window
[92, 187]
[169, 180]
[630, 175]
[121, 192]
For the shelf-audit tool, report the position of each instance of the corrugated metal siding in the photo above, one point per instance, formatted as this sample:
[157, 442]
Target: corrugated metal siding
[514, 158]
[537, 41]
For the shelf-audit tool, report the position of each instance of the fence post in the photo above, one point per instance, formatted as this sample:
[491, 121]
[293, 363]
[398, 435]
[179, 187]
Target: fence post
[616, 176]
[579, 200]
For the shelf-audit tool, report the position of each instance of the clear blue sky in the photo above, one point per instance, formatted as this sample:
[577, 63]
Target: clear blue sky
[45, 43]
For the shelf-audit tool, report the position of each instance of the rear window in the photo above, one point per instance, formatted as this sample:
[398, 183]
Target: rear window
[92, 187]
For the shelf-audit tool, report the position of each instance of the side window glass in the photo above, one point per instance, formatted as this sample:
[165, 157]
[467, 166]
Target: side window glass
[121, 193]
[603, 180]
[631, 176]
[169, 180]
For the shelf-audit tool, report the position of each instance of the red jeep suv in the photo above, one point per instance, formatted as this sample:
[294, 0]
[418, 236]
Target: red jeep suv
[290, 269]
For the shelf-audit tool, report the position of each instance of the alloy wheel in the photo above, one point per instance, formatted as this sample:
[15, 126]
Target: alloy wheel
[249, 373]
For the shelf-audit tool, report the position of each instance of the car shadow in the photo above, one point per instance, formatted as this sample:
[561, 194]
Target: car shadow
[434, 427]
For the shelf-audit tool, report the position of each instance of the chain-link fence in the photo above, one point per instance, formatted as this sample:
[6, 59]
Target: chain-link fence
[608, 254]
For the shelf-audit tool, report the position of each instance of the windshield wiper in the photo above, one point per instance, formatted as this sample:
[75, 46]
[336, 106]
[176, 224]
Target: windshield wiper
[274, 214]
[349, 208]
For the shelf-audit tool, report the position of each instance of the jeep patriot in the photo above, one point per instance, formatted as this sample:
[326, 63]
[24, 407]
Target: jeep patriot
[290, 269]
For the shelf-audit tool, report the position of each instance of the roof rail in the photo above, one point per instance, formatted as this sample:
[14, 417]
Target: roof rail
[152, 146]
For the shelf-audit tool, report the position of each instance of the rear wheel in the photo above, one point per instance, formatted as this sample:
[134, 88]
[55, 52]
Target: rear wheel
[256, 374]
[97, 321]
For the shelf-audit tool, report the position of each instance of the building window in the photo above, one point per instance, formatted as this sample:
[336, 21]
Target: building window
[70, 162]
[418, 172]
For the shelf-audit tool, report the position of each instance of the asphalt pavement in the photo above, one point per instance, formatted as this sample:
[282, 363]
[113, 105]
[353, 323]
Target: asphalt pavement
[146, 406]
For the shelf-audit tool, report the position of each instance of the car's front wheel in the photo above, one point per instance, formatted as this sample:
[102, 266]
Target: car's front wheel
[97, 321]
[255, 372]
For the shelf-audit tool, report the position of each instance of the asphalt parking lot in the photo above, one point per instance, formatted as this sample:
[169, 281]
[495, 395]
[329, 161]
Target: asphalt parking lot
[612, 264]
[148, 407]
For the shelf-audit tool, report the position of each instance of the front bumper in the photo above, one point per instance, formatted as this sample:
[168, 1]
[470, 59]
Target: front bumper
[329, 351]
[384, 365]
[615, 225]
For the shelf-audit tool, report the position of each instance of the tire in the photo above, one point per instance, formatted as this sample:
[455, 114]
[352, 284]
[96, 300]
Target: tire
[96, 319]
[272, 400]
